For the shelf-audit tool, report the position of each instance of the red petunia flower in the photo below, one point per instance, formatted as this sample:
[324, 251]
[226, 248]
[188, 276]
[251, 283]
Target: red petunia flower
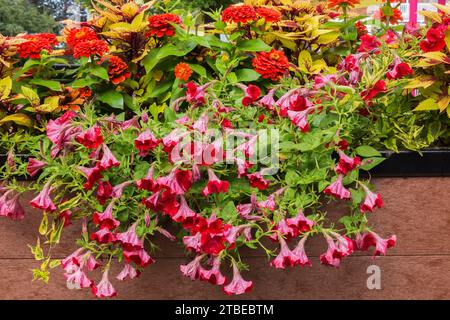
[371, 201]
[35, 43]
[252, 94]
[341, 3]
[117, 70]
[369, 44]
[215, 185]
[104, 191]
[238, 285]
[346, 163]
[78, 35]
[89, 48]
[435, 40]
[399, 69]
[337, 189]
[271, 65]
[369, 94]
[160, 24]
[106, 220]
[92, 138]
[269, 14]
[183, 71]
[242, 13]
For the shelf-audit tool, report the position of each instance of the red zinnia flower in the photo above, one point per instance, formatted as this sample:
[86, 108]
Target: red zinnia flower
[160, 24]
[77, 35]
[268, 14]
[35, 44]
[395, 18]
[182, 71]
[117, 70]
[271, 65]
[90, 47]
[337, 3]
[243, 13]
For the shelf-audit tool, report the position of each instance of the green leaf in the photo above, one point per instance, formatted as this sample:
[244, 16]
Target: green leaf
[51, 84]
[100, 72]
[247, 75]
[371, 163]
[198, 69]
[428, 104]
[253, 45]
[81, 83]
[31, 95]
[229, 211]
[113, 98]
[367, 151]
[292, 178]
[179, 50]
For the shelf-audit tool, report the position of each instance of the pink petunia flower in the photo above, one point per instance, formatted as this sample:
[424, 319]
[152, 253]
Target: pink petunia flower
[108, 160]
[238, 285]
[286, 257]
[91, 138]
[106, 219]
[371, 201]
[92, 174]
[346, 163]
[145, 142]
[128, 272]
[192, 269]
[337, 189]
[213, 276]
[148, 182]
[43, 201]
[34, 166]
[129, 239]
[184, 212]
[104, 289]
[369, 239]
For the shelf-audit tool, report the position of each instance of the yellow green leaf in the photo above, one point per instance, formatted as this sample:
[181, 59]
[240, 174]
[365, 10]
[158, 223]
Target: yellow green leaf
[43, 227]
[305, 61]
[433, 15]
[31, 96]
[5, 87]
[428, 104]
[328, 37]
[19, 118]
[443, 103]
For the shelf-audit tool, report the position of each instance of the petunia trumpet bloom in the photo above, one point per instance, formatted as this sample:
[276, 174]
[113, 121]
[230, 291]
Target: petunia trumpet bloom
[371, 201]
[192, 269]
[43, 201]
[178, 181]
[11, 208]
[213, 276]
[128, 272]
[184, 212]
[148, 182]
[129, 239]
[346, 163]
[145, 142]
[104, 289]
[215, 185]
[103, 236]
[91, 138]
[106, 219]
[34, 166]
[337, 189]
[369, 239]
[78, 280]
[238, 285]
[108, 160]
[286, 257]
[257, 181]
[299, 251]
[92, 174]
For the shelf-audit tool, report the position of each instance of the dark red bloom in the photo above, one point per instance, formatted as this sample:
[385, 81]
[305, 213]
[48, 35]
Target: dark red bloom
[369, 44]
[242, 13]
[106, 220]
[145, 142]
[108, 159]
[215, 185]
[257, 181]
[103, 236]
[346, 163]
[399, 69]
[148, 182]
[435, 39]
[361, 28]
[369, 94]
[252, 94]
[104, 191]
[160, 25]
[271, 65]
[91, 138]
[92, 174]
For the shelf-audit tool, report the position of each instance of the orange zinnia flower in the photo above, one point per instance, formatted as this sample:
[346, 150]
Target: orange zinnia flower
[395, 18]
[271, 65]
[268, 14]
[239, 13]
[182, 71]
[77, 35]
[35, 44]
[338, 3]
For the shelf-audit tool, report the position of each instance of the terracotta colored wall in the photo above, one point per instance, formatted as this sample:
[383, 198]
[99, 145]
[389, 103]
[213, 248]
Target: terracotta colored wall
[417, 210]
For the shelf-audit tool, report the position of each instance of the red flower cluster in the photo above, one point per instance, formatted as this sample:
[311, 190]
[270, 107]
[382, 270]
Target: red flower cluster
[369, 94]
[183, 71]
[269, 14]
[160, 25]
[369, 44]
[239, 14]
[435, 39]
[207, 235]
[361, 29]
[271, 65]
[84, 42]
[117, 70]
[35, 43]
